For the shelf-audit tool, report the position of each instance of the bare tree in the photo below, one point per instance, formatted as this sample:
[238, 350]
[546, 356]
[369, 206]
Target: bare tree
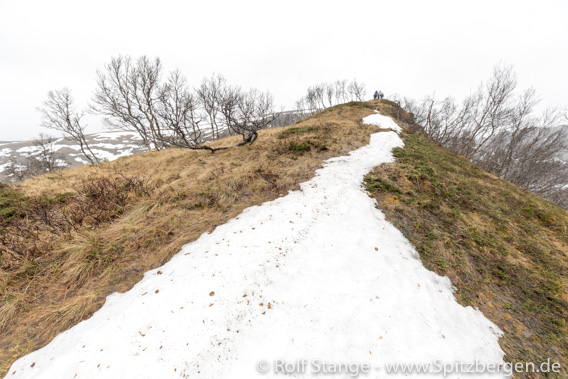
[329, 93]
[529, 154]
[131, 96]
[356, 90]
[246, 113]
[312, 99]
[59, 113]
[43, 160]
[49, 160]
[319, 94]
[305, 108]
[179, 114]
[499, 131]
[494, 113]
[211, 93]
[340, 91]
[16, 170]
[126, 97]
[322, 95]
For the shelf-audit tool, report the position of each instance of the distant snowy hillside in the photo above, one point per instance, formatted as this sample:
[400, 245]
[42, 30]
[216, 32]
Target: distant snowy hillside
[106, 145]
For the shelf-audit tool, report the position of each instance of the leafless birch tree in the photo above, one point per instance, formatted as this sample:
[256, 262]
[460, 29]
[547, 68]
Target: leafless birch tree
[59, 113]
[498, 129]
[126, 97]
[210, 94]
[246, 113]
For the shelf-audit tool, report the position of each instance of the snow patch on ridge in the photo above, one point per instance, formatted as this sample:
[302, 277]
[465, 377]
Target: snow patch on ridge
[382, 122]
[317, 274]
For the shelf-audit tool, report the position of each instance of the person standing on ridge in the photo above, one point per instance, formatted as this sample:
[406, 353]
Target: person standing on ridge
[376, 95]
[381, 95]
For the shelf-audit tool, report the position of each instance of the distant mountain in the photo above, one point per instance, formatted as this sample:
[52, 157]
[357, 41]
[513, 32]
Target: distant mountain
[106, 145]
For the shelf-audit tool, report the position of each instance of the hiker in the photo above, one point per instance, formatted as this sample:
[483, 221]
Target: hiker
[381, 95]
[376, 95]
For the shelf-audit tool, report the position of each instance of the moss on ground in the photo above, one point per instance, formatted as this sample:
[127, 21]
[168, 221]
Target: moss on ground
[504, 249]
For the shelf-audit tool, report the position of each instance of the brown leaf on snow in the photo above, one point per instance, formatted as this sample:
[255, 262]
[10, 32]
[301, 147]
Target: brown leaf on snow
[212, 293]
[376, 249]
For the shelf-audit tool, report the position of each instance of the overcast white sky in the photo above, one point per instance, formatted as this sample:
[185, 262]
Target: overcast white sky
[410, 47]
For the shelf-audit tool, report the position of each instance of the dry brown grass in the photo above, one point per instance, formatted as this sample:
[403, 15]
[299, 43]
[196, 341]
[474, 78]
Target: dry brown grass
[194, 191]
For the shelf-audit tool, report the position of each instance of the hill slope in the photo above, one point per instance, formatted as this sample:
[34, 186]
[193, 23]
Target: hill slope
[57, 270]
[317, 273]
[172, 197]
[503, 248]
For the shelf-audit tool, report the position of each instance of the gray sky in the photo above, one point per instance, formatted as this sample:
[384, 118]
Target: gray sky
[409, 47]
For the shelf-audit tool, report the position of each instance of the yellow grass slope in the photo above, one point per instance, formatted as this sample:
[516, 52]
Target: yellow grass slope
[186, 193]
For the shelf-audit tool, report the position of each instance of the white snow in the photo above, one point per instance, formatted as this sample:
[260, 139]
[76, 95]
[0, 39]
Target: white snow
[109, 155]
[28, 149]
[106, 152]
[4, 143]
[60, 146]
[5, 152]
[108, 146]
[343, 285]
[382, 121]
[3, 166]
[79, 159]
[115, 134]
